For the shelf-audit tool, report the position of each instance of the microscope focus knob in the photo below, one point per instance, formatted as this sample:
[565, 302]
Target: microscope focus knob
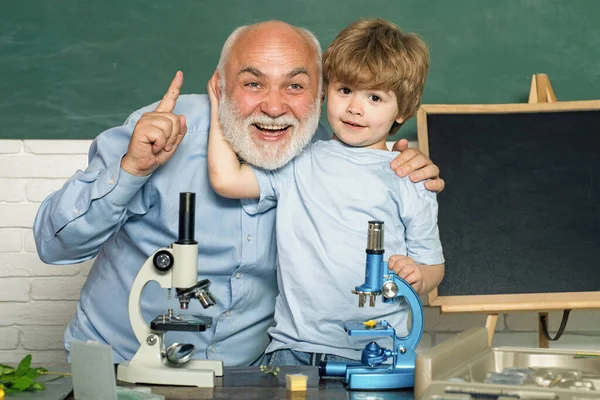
[163, 260]
[389, 290]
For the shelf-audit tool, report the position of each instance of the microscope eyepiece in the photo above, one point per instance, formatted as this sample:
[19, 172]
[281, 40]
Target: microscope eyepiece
[375, 238]
[187, 216]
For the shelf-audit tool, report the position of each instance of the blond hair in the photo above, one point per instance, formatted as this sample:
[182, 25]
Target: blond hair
[376, 54]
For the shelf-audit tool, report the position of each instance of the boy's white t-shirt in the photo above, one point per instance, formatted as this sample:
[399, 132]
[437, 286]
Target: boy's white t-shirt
[325, 198]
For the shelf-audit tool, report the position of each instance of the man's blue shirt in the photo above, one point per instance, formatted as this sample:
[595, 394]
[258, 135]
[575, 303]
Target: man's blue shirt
[121, 219]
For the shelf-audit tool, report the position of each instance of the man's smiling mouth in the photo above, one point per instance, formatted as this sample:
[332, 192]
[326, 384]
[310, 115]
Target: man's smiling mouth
[271, 131]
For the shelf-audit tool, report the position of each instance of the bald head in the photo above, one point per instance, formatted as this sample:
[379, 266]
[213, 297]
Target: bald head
[269, 33]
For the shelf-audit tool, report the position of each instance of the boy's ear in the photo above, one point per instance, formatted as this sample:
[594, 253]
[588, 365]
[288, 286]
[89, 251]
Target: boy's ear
[400, 120]
[324, 91]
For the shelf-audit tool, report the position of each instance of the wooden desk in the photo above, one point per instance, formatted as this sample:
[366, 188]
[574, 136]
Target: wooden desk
[252, 384]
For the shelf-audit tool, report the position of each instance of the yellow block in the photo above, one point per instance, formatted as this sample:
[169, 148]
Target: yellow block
[370, 323]
[296, 382]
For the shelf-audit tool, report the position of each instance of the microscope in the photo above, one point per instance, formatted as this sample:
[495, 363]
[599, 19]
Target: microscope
[172, 267]
[373, 372]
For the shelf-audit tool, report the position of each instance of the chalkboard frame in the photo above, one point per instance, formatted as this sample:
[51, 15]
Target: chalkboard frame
[498, 303]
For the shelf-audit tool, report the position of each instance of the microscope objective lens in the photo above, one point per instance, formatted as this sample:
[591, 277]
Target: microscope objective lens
[362, 299]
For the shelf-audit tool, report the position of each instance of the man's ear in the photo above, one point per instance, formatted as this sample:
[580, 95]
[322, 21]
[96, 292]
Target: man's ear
[215, 81]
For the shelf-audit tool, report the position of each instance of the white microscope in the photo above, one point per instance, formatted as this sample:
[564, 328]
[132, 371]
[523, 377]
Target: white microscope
[172, 267]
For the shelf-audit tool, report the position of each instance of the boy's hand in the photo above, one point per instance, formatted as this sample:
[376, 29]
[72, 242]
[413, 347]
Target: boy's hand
[156, 135]
[418, 165]
[408, 270]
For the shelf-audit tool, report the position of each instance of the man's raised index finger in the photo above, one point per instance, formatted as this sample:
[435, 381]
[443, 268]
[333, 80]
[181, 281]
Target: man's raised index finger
[168, 102]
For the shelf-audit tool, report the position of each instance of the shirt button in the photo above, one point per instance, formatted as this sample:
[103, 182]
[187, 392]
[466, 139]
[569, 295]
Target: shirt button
[75, 211]
[111, 181]
[238, 275]
[227, 313]
[249, 237]
[213, 350]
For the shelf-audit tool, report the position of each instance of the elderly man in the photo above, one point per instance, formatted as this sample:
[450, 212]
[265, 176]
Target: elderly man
[125, 204]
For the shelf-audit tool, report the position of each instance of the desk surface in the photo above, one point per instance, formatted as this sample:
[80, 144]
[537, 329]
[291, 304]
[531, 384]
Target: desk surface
[250, 383]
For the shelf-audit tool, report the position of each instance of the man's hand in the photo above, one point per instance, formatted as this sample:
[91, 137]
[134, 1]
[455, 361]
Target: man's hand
[417, 165]
[408, 270]
[156, 135]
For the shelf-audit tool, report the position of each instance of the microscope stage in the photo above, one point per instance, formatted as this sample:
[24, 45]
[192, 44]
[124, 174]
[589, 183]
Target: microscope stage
[185, 323]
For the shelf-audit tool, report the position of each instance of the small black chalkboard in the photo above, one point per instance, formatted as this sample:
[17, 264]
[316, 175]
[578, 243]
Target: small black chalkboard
[520, 214]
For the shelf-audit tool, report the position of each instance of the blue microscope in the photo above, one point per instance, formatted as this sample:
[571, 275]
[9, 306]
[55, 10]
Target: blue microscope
[373, 372]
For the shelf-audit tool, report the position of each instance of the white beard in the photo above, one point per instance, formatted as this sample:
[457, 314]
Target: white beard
[261, 153]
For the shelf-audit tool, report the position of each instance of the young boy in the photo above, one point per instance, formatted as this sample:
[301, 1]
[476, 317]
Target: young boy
[374, 75]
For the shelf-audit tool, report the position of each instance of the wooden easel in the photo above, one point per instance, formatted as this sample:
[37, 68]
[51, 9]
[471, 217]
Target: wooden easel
[540, 92]
[541, 100]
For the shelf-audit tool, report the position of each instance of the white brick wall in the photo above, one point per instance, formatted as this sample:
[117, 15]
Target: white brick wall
[38, 300]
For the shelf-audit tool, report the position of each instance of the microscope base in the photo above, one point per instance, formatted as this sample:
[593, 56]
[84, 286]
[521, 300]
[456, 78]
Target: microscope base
[199, 373]
[382, 381]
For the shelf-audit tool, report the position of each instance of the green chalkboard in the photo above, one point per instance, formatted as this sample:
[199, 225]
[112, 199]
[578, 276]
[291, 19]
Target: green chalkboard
[520, 218]
[510, 224]
[72, 68]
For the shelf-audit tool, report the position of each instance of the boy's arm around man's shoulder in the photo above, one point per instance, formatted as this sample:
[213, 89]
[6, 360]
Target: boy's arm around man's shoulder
[228, 176]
